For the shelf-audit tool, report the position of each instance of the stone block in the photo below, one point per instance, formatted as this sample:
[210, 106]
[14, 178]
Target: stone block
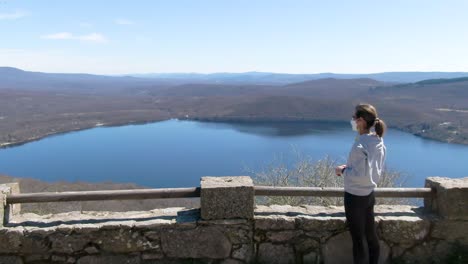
[124, 241]
[435, 252]
[339, 250]
[202, 242]
[245, 253]
[227, 197]
[310, 258]
[10, 240]
[13, 209]
[451, 200]
[449, 230]
[275, 254]
[115, 259]
[283, 236]
[306, 244]
[67, 244]
[11, 260]
[404, 231]
[238, 235]
[231, 261]
[4, 191]
[321, 228]
[8, 211]
[274, 223]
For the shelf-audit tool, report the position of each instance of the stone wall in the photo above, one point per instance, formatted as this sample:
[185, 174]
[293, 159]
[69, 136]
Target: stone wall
[216, 233]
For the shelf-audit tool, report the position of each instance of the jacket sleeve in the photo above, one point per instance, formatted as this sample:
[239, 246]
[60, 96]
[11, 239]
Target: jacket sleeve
[357, 162]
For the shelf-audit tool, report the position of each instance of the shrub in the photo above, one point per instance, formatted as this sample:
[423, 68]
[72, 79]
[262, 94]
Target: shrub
[305, 172]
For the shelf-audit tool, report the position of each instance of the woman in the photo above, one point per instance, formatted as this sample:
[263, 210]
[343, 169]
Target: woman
[361, 174]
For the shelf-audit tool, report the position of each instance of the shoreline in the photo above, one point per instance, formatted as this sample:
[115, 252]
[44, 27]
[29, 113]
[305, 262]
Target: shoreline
[5, 145]
[59, 133]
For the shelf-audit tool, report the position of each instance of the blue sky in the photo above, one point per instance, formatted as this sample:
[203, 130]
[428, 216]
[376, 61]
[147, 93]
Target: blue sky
[117, 37]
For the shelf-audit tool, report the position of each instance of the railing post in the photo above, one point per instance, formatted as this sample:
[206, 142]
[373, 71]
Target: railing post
[8, 210]
[227, 197]
[451, 198]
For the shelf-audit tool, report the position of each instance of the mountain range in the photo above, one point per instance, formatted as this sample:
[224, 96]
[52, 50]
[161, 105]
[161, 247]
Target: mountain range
[284, 78]
[34, 104]
[28, 79]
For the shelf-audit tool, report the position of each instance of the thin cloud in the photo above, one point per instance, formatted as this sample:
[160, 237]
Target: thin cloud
[93, 37]
[15, 15]
[61, 35]
[124, 22]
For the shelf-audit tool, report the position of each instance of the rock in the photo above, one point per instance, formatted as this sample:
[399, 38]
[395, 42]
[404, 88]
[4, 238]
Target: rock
[202, 242]
[227, 197]
[239, 235]
[274, 223]
[306, 244]
[451, 231]
[427, 252]
[324, 223]
[245, 253]
[283, 236]
[34, 245]
[91, 250]
[310, 258]
[11, 260]
[397, 252]
[173, 261]
[275, 254]
[10, 239]
[57, 258]
[64, 243]
[339, 249]
[153, 235]
[451, 201]
[10, 210]
[404, 231]
[119, 259]
[231, 261]
[321, 227]
[4, 191]
[37, 258]
[148, 256]
[124, 241]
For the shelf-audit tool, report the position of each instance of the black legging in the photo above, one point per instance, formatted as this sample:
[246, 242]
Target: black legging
[360, 217]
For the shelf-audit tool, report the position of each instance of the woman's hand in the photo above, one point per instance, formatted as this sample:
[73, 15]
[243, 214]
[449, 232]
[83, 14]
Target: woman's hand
[339, 170]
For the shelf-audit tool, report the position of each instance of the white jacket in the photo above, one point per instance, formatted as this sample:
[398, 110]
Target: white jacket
[365, 165]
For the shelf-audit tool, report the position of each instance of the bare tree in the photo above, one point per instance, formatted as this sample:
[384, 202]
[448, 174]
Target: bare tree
[305, 172]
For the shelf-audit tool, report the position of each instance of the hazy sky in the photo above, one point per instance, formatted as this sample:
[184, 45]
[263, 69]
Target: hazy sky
[114, 37]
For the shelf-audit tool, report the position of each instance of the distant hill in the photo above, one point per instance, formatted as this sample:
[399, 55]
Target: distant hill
[433, 93]
[320, 88]
[268, 78]
[33, 105]
[443, 81]
[332, 88]
[12, 78]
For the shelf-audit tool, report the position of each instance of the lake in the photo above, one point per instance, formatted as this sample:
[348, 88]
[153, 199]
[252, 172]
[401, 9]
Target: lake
[177, 153]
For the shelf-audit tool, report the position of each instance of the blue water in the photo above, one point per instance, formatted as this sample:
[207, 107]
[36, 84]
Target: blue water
[177, 153]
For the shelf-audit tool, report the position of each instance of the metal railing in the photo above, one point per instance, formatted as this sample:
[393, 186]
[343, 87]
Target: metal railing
[339, 192]
[135, 194]
[140, 194]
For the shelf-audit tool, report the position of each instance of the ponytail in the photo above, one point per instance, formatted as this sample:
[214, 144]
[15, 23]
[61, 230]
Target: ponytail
[380, 127]
[369, 114]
